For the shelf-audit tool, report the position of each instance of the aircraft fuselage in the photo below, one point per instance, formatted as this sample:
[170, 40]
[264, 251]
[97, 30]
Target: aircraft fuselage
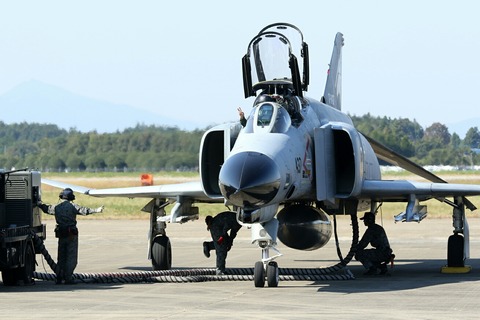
[272, 161]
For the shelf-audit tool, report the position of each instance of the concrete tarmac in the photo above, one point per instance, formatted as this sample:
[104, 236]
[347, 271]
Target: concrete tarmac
[414, 288]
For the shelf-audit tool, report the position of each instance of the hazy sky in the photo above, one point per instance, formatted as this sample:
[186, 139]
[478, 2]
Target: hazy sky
[182, 59]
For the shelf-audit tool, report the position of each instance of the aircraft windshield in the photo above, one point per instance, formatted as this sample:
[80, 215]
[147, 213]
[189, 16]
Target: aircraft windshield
[265, 113]
[268, 117]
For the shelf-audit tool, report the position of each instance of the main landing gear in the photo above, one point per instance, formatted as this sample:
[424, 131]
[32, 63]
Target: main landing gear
[458, 243]
[160, 249]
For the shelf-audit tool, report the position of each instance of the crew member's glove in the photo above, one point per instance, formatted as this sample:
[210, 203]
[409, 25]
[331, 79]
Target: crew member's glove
[220, 240]
[99, 209]
[42, 206]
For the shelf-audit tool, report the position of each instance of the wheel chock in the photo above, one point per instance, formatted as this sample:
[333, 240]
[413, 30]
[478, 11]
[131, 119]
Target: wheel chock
[465, 269]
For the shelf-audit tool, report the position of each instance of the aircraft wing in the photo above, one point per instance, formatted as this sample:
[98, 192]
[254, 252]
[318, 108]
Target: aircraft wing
[414, 192]
[388, 155]
[192, 190]
[399, 190]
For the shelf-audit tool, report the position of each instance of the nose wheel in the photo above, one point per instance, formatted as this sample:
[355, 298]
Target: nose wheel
[269, 270]
[272, 274]
[259, 275]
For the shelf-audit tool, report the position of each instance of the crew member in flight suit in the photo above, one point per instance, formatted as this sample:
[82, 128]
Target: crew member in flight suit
[219, 226]
[241, 114]
[376, 258]
[67, 233]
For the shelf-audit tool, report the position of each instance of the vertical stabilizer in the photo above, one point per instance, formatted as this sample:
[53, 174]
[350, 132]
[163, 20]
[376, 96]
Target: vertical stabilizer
[333, 88]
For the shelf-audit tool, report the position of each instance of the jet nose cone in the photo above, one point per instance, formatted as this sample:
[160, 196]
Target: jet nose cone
[249, 179]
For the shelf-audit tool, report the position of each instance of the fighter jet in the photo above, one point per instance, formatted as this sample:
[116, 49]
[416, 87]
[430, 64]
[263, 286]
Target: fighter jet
[296, 163]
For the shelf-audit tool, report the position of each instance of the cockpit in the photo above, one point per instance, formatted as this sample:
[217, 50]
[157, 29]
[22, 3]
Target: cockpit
[268, 117]
[274, 113]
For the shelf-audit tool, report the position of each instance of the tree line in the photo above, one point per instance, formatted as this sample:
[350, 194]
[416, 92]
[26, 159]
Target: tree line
[153, 148]
[142, 148]
[433, 146]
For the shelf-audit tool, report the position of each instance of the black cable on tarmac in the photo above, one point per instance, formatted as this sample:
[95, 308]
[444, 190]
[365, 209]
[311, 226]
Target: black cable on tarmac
[195, 275]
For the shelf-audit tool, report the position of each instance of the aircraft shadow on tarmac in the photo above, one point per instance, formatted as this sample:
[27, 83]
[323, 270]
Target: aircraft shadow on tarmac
[406, 275]
[43, 286]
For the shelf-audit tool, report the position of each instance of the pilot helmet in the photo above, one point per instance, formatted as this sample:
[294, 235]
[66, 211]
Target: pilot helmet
[264, 98]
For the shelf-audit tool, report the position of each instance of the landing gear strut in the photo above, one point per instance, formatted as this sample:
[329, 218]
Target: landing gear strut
[265, 236]
[160, 250]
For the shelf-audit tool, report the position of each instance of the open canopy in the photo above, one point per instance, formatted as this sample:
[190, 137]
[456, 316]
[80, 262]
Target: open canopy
[271, 61]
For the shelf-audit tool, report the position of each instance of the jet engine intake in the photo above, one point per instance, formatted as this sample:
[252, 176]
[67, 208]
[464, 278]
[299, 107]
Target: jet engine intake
[303, 227]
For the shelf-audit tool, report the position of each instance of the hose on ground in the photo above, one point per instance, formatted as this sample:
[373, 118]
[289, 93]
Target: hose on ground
[196, 275]
[344, 261]
[40, 247]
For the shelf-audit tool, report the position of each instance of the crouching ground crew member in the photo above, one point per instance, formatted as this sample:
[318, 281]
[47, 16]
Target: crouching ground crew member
[67, 233]
[381, 254]
[222, 241]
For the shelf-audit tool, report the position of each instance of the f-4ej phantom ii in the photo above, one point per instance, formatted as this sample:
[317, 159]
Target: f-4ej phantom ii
[296, 162]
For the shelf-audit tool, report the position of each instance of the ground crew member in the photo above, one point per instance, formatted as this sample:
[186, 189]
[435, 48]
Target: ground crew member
[219, 226]
[67, 233]
[381, 254]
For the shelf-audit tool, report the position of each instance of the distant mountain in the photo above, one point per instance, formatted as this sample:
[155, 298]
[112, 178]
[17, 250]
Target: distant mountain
[462, 127]
[35, 101]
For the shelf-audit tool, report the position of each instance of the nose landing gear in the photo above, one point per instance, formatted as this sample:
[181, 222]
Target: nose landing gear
[268, 270]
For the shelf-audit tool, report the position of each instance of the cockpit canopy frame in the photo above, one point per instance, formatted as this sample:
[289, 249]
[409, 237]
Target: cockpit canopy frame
[271, 61]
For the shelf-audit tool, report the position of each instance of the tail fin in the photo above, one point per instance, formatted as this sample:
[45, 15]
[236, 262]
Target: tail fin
[333, 88]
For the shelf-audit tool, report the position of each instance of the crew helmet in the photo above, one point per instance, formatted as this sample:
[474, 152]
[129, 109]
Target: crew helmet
[67, 194]
[368, 217]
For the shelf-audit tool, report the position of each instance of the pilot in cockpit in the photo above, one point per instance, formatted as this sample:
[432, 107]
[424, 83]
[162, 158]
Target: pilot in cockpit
[265, 98]
[261, 98]
[265, 114]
